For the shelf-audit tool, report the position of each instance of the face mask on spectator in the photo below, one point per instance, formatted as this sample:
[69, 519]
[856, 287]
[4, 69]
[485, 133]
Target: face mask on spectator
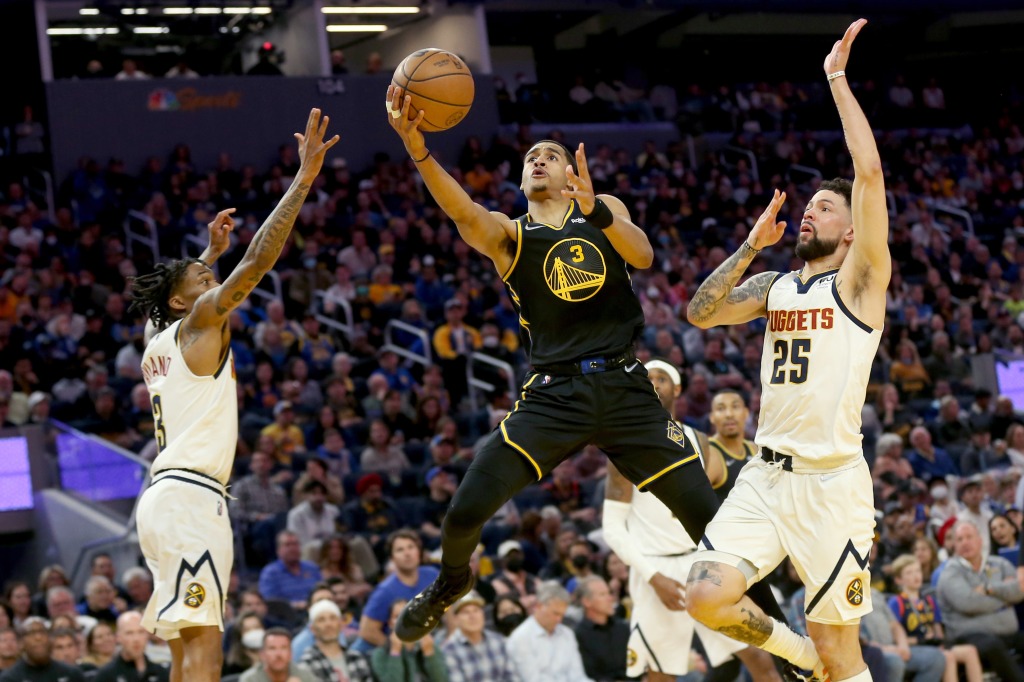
[940, 492]
[253, 640]
[514, 563]
[580, 561]
[506, 624]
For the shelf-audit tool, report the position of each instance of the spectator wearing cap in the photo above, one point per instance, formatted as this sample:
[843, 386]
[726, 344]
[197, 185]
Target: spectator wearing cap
[288, 438]
[327, 659]
[405, 551]
[131, 662]
[276, 661]
[289, 578]
[601, 635]
[976, 593]
[372, 515]
[542, 648]
[973, 511]
[36, 661]
[981, 455]
[317, 470]
[441, 485]
[474, 652]
[453, 342]
[514, 578]
[399, 378]
[313, 520]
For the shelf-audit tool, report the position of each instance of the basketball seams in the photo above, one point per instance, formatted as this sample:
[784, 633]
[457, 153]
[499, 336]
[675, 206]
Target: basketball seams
[440, 75]
[438, 101]
[430, 104]
[426, 57]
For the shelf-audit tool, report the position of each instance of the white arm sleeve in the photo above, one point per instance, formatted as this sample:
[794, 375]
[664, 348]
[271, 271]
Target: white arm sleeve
[619, 539]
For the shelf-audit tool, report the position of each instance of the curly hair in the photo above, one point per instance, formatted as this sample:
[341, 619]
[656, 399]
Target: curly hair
[151, 292]
[840, 186]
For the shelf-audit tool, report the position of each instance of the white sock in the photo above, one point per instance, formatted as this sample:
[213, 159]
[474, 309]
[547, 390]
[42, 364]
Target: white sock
[796, 649]
[862, 676]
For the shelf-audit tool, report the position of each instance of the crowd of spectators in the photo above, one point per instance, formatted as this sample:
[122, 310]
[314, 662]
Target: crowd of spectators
[349, 451]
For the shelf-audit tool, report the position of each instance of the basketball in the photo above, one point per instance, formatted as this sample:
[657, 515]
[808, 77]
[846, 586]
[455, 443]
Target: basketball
[440, 85]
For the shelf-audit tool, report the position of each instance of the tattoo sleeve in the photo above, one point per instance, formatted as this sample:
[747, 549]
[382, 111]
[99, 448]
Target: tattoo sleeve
[263, 251]
[755, 628]
[720, 287]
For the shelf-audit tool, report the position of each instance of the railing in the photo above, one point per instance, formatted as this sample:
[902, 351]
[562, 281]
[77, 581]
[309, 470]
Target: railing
[346, 325]
[959, 213]
[46, 192]
[148, 237]
[424, 358]
[748, 155]
[809, 173]
[275, 282]
[476, 384]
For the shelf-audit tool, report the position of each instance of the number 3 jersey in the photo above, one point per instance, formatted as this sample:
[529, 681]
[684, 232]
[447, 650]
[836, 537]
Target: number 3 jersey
[196, 416]
[814, 373]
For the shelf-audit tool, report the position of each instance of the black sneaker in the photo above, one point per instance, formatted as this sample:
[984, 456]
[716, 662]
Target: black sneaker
[423, 613]
[791, 673]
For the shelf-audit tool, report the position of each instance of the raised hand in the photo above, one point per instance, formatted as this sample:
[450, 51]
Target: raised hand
[580, 186]
[672, 593]
[312, 147]
[398, 105]
[836, 60]
[766, 231]
[220, 231]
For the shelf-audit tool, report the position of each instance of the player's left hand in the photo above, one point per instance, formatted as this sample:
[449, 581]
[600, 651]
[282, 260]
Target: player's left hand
[220, 231]
[671, 592]
[580, 186]
[836, 60]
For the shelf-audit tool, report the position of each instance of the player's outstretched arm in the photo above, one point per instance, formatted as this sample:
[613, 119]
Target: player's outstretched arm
[213, 307]
[871, 264]
[718, 300]
[485, 231]
[628, 240]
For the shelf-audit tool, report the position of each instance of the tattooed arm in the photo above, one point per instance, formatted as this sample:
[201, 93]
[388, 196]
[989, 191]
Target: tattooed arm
[719, 300]
[203, 335]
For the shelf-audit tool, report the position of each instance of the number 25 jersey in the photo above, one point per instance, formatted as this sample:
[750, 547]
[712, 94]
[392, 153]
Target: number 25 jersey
[814, 373]
[196, 417]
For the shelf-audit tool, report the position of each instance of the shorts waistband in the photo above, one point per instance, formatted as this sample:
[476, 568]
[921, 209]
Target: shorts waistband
[801, 465]
[190, 476]
[592, 365]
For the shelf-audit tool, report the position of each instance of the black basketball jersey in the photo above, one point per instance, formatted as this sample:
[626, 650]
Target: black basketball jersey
[733, 465]
[572, 291]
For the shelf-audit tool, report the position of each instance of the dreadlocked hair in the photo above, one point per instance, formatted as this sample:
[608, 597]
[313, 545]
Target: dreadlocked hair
[150, 293]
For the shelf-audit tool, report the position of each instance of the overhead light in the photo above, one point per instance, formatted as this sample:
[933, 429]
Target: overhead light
[150, 29]
[397, 9]
[88, 11]
[132, 10]
[237, 10]
[90, 31]
[356, 28]
[261, 10]
[207, 10]
[142, 10]
[177, 10]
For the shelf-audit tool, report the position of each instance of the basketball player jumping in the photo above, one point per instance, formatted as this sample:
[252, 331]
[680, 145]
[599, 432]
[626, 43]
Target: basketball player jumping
[643, 533]
[809, 494]
[564, 265]
[182, 517]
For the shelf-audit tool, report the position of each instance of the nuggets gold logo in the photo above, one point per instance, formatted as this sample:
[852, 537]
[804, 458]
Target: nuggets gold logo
[630, 658]
[855, 592]
[194, 595]
[574, 269]
[675, 434]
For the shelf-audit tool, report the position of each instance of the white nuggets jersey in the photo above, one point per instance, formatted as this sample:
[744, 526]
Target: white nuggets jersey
[196, 417]
[656, 531]
[814, 373]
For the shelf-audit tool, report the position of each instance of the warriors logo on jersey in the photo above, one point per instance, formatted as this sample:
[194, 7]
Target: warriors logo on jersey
[574, 269]
[675, 434]
[194, 595]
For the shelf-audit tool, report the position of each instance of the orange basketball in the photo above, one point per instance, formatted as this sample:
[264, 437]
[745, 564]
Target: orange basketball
[439, 83]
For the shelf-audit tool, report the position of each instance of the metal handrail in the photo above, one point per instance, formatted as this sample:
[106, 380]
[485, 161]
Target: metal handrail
[47, 190]
[959, 213]
[807, 170]
[424, 359]
[476, 384]
[275, 281]
[749, 156]
[345, 330]
[149, 240]
[348, 325]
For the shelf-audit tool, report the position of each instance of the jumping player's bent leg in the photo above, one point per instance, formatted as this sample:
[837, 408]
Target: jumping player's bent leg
[839, 648]
[203, 654]
[686, 491]
[497, 473]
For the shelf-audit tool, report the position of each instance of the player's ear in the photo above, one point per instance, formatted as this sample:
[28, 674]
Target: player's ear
[177, 304]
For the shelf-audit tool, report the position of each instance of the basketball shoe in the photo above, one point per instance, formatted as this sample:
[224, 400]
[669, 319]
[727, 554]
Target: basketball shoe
[423, 613]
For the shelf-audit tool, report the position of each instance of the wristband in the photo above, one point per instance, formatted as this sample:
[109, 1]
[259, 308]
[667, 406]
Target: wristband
[601, 217]
[751, 248]
[837, 74]
[423, 159]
